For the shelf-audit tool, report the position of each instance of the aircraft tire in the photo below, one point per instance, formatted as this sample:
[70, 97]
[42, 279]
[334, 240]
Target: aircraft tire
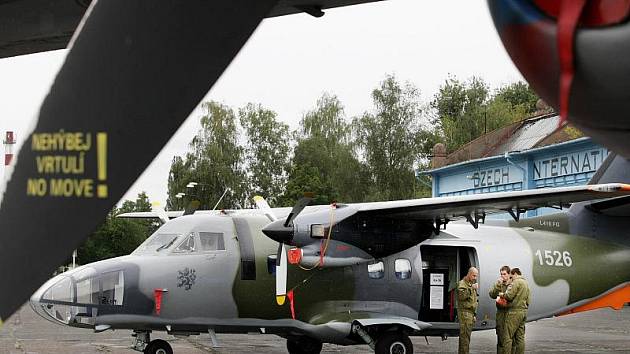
[303, 345]
[394, 343]
[158, 346]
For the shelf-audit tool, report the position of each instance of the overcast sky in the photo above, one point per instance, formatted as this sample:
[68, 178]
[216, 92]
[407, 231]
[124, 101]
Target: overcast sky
[290, 61]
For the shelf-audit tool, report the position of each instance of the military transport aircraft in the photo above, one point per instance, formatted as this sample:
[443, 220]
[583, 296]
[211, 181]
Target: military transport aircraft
[367, 273]
[138, 68]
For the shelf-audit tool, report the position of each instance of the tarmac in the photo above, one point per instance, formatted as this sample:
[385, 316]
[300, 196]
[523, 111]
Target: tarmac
[600, 331]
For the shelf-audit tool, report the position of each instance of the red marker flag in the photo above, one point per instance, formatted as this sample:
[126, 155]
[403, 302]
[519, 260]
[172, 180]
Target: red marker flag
[290, 296]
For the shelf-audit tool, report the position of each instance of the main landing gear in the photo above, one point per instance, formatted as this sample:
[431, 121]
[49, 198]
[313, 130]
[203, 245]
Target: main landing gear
[144, 344]
[393, 343]
[303, 345]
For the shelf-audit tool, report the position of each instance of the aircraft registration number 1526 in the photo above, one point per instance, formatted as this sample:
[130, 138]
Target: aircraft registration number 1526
[554, 258]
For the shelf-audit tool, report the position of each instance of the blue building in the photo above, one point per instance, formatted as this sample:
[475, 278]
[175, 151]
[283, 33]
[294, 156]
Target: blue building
[529, 154]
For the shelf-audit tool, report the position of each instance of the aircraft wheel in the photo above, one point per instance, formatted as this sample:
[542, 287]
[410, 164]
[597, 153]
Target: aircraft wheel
[394, 343]
[304, 345]
[158, 346]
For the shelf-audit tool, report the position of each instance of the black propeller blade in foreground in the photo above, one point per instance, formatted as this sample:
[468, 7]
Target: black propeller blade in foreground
[298, 207]
[282, 230]
[134, 73]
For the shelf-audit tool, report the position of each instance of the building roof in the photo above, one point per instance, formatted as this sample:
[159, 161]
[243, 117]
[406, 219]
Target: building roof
[519, 136]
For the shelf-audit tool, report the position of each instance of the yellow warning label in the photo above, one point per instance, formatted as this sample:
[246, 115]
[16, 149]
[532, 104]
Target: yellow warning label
[69, 165]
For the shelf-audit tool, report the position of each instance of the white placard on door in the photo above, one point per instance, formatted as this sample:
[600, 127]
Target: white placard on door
[437, 279]
[436, 298]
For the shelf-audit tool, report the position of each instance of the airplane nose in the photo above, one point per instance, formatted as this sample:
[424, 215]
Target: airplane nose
[72, 298]
[48, 301]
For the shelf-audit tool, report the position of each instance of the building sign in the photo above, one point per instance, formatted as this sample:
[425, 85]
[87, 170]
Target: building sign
[491, 177]
[569, 164]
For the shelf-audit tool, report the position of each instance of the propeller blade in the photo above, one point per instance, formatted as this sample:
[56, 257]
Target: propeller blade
[261, 204]
[135, 71]
[281, 275]
[298, 207]
[161, 213]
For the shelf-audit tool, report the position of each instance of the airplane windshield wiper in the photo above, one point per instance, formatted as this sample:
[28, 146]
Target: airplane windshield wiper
[166, 245]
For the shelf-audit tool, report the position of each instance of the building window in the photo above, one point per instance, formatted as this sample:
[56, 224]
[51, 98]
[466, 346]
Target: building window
[402, 267]
[376, 270]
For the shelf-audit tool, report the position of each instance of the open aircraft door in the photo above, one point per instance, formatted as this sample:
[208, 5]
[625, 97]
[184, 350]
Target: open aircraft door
[442, 268]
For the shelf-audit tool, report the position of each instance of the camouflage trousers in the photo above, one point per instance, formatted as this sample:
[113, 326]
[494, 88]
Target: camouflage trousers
[514, 332]
[500, 328]
[466, 322]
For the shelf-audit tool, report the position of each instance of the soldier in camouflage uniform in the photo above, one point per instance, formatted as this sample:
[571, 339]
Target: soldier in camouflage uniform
[519, 298]
[496, 291]
[467, 307]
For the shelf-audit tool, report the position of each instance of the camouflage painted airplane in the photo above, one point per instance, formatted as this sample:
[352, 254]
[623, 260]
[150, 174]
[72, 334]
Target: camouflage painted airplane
[369, 273]
[134, 63]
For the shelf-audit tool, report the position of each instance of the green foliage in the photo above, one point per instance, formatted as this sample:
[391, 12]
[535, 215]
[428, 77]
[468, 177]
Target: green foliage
[215, 162]
[460, 110]
[267, 152]
[465, 110]
[390, 138]
[373, 158]
[117, 237]
[324, 159]
[519, 95]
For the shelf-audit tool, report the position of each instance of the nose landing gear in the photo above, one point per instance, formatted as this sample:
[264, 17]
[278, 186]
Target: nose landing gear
[394, 343]
[144, 344]
[158, 346]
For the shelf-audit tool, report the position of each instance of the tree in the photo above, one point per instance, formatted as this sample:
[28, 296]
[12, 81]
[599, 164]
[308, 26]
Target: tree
[390, 138]
[519, 95]
[324, 160]
[215, 162]
[466, 110]
[115, 236]
[267, 151]
[461, 111]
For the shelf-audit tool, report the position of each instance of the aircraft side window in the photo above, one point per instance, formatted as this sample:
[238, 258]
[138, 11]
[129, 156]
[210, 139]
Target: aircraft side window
[402, 268]
[88, 291]
[211, 241]
[113, 284]
[376, 270]
[87, 286]
[188, 245]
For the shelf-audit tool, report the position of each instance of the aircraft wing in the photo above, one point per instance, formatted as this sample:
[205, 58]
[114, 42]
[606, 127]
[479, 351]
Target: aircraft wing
[367, 319]
[457, 207]
[32, 26]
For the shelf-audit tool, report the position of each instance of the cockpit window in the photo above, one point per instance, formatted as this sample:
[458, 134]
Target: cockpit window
[188, 245]
[211, 241]
[157, 243]
[61, 291]
[87, 286]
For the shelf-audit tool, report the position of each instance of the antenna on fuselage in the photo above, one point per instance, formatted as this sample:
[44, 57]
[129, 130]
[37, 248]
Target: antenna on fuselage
[220, 199]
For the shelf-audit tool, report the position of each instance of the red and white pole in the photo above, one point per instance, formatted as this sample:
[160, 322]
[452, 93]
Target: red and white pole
[9, 141]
